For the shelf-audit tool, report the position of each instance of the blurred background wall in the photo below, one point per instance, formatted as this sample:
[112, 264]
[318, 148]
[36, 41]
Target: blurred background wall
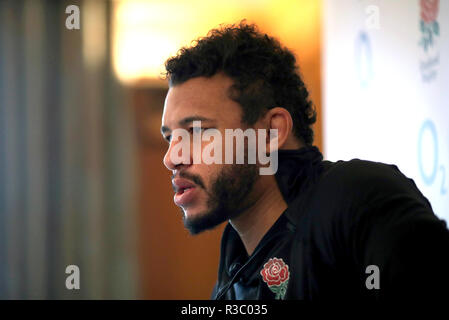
[81, 174]
[67, 156]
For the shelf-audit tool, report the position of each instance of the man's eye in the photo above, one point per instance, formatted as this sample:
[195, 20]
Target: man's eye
[196, 129]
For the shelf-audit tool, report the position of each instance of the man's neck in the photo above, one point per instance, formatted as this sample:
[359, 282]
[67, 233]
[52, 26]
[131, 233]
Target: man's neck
[255, 222]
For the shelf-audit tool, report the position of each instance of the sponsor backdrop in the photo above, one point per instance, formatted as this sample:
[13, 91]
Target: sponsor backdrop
[386, 88]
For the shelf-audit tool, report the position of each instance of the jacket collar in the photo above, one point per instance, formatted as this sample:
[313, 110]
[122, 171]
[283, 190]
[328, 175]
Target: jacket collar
[233, 253]
[297, 170]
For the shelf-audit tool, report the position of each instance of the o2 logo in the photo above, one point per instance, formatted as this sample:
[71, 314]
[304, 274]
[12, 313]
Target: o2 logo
[428, 155]
[363, 58]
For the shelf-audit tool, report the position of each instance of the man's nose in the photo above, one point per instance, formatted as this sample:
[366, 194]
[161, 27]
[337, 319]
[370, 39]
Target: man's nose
[174, 157]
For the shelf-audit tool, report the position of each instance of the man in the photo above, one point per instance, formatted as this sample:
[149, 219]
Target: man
[313, 230]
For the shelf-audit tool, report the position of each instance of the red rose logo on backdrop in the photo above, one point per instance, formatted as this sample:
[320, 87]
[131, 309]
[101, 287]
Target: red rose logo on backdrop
[429, 10]
[275, 274]
[429, 24]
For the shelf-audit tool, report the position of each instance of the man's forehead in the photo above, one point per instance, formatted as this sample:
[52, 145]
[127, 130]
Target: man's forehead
[198, 96]
[200, 90]
[176, 109]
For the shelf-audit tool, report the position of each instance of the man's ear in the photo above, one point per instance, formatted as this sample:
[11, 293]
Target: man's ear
[280, 119]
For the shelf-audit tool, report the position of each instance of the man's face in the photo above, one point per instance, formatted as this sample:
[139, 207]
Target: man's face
[208, 194]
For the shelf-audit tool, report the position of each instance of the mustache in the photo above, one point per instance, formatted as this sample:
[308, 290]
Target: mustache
[192, 177]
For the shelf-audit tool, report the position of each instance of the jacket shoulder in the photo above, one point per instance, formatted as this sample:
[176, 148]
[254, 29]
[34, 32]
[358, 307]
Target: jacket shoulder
[365, 181]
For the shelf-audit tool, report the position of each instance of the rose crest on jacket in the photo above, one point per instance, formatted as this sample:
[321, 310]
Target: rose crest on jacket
[275, 274]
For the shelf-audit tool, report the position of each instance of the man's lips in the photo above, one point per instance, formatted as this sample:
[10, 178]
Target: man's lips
[184, 191]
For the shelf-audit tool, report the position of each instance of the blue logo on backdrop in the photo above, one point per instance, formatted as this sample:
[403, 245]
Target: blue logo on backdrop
[429, 126]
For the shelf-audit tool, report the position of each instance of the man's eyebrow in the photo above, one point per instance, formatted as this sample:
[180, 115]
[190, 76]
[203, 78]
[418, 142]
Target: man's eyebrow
[185, 121]
[188, 120]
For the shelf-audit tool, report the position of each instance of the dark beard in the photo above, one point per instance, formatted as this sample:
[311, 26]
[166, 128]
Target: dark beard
[228, 197]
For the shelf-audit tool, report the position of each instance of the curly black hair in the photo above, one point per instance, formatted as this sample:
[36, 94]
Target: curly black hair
[265, 74]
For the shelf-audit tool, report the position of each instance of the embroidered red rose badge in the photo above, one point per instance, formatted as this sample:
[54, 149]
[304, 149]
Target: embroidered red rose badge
[275, 274]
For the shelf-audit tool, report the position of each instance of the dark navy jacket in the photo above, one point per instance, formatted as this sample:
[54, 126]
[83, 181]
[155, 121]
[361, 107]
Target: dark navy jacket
[344, 220]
